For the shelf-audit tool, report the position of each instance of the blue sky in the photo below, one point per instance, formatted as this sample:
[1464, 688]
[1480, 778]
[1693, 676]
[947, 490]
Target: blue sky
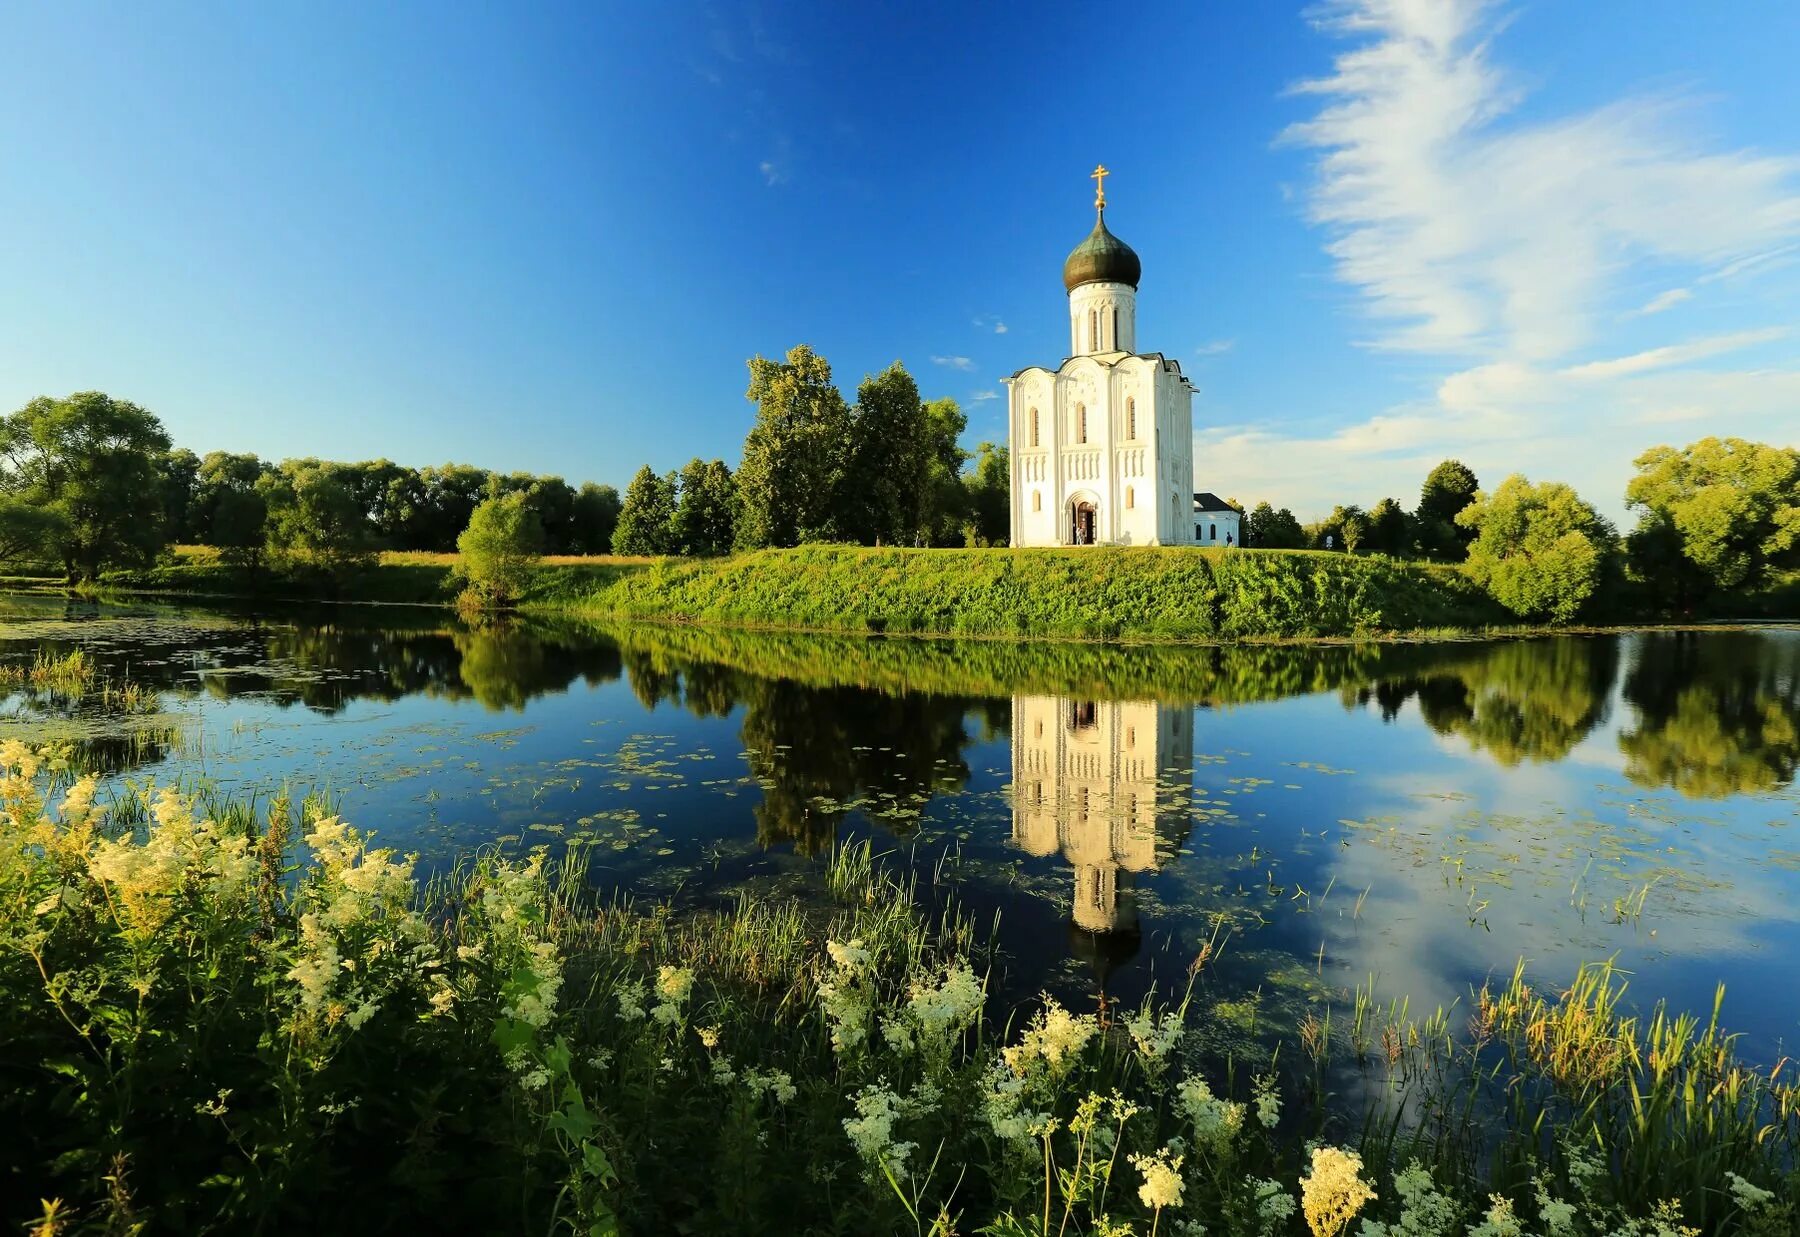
[1539, 236]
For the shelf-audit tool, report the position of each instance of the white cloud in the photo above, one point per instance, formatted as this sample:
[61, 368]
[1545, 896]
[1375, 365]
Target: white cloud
[982, 397]
[999, 328]
[1215, 347]
[1467, 234]
[989, 321]
[1508, 244]
[1663, 300]
[773, 172]
[1673, 354]
[953, 362]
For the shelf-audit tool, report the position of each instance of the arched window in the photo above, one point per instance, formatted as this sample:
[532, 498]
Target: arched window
[1130, 498]
[1115, 326]
[1093, 331]
[1130, 418]
[1212, 532]
[1080, 422]
[1034, 427]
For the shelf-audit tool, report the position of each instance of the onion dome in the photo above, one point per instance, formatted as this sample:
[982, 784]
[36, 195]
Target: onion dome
[1102, 257]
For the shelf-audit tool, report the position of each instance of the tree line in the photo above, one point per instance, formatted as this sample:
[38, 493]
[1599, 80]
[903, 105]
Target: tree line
[1718, 515]
[94, 482]
[888, 469]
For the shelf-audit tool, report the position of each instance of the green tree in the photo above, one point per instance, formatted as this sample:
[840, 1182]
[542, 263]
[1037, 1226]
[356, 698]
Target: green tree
[313, 512]
[793, 460]
[178, 478]
[93, 459]
[885, 484]
[646, 522]
[226, 477]
[596, 516]
[1449, 488]
[240, 526]
[989, 485]
[28, 531]
[1390, 528]
[1269, 529]
[498, 549]
[451, 494]
[705, 515]
[1539, 550]
[944, 502]
[1717, 514]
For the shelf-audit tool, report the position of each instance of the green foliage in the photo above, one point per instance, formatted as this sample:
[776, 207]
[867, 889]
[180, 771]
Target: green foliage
[92, 459]
[499, 548]
[596, 515]
[1390, 529]
[313, 514]
[945, 502]
[705, 517]
[1139, 593]
[792, 472]
[1717, 514]
[1447, 491]
[30, 531]
[213, 1029]
[1539, 550]
[1269, 529]
[647, 520]
[989, 485]
[885, 484]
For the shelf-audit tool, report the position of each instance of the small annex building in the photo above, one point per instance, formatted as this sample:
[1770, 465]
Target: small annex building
[1216, 522]
[1102, 447]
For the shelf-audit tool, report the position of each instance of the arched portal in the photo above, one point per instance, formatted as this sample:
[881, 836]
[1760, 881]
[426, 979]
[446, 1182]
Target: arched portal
[1083, 519]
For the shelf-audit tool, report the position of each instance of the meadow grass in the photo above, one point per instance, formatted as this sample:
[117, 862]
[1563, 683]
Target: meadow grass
[226, 1016]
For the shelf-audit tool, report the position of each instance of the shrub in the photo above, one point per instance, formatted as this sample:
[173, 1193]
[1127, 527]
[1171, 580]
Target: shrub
[1539, 550]
[499, 548]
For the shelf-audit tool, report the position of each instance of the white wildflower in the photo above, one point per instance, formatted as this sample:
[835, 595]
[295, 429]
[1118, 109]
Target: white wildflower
[1215, 1121]
[1162, 1179]
[631, 997]
[1268, 1102]
[872, 1130]
[1333, 1191]
[1155, 1038]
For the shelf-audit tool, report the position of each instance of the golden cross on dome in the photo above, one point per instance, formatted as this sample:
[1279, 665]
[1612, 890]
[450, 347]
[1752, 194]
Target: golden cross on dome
[1098, 176]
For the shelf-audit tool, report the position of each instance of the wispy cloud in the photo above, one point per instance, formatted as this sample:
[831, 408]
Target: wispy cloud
[1507, 244]
[1215, 347]
[1464, 233]
[982, 397]
[988, 322]
[773, 173]
[1662, 301]
[953, 362]
[1674, 354]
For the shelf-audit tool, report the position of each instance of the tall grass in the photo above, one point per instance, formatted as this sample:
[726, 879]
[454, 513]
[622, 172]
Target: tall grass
[243, 1017]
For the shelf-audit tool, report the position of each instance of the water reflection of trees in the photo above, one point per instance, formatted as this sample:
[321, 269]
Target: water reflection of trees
[1517, 701]
[817, 751]
[1718, 713]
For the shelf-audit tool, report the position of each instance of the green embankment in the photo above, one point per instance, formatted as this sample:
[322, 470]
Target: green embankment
[1093, 594]
[1147, 594]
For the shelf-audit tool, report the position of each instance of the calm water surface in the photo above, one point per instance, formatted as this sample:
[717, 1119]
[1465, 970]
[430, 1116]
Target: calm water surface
[1417, 815]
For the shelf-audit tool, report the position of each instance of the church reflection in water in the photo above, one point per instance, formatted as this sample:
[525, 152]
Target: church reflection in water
[1103, 783]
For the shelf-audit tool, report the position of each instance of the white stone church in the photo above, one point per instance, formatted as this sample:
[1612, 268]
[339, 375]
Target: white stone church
[1103, 446]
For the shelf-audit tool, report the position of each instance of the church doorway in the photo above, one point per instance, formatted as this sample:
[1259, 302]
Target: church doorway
[1081, 527]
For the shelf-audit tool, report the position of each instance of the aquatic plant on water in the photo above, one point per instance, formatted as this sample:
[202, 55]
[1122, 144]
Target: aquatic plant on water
[219, 1020]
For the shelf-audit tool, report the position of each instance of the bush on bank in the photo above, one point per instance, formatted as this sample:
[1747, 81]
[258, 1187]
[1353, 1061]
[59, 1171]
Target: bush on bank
[208, 1031]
